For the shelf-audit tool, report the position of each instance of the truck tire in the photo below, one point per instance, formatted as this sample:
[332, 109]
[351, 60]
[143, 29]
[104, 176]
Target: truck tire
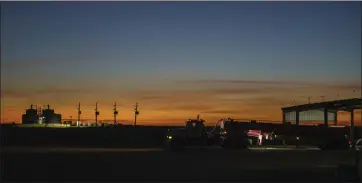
[229, 144]
[175, 145]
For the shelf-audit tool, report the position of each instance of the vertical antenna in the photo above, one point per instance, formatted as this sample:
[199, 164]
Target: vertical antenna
[79, 113]
[96, 113]
[135, 115]
[115, 113]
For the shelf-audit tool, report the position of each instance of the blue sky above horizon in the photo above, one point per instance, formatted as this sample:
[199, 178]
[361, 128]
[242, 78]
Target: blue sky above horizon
[149, 46]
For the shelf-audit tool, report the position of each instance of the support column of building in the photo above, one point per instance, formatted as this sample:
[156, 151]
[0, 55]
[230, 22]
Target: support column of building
[326, 116]
[297, 116]
[352, 128]
[335, 117]
[284, 117]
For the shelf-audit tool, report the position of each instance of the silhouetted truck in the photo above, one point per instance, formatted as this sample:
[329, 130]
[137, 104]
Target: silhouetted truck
[225, 133]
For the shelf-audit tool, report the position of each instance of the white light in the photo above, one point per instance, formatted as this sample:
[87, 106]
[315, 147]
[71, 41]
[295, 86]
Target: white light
[169, 137]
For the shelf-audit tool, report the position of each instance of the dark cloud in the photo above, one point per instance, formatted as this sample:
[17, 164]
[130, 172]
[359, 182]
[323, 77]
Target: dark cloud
[348, 86]
[228, 112]
[185, 107]
[356, 85]
[14, 65]
[61, 91]
[15, 94]
[252, 82]
[151, 97]
[250, 90]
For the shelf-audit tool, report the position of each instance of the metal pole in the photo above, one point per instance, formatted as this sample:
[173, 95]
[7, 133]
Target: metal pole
[96, 113]
[115, 113]
[135, 115]
[79, 112]
[352, 128]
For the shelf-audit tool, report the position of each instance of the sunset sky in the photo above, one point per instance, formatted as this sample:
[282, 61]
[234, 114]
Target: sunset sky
[243, 60]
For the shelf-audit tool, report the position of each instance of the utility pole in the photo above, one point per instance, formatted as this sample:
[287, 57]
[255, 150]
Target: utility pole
[115, 113]
[96, 113]
[79, 113]
[136, 113]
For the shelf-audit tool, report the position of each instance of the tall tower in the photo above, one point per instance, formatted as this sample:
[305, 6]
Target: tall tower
[115, 113]
[79, 113]
[136, 113]
[96, 113]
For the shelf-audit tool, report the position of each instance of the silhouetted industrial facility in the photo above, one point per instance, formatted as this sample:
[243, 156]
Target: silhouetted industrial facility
[39, 116]
[31, 116]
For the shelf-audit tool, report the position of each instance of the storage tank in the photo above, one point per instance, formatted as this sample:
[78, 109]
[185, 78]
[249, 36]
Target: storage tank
[51, 117]
[30, 116]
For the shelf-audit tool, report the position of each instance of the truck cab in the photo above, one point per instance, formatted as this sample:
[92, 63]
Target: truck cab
[194, 134]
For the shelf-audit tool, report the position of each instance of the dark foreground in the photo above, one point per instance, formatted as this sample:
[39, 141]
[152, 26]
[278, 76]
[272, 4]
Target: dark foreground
[96, 164]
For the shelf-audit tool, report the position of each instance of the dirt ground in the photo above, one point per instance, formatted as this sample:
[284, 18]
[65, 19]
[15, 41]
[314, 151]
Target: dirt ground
[92, 164]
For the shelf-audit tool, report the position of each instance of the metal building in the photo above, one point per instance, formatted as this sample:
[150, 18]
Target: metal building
[50, 117]
[38, 116]
[30, 116]
[322, 111]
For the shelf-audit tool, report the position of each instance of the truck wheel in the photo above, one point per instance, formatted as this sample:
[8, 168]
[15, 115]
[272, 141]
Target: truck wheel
[210, 142]
[228, 144]
[175, 145]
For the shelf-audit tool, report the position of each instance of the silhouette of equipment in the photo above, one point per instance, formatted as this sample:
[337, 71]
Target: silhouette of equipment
[195, 133]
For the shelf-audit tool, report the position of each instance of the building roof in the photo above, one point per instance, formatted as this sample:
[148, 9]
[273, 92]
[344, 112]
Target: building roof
[337, 105]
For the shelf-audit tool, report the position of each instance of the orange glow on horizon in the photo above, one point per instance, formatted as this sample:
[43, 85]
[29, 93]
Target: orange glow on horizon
[172, 107]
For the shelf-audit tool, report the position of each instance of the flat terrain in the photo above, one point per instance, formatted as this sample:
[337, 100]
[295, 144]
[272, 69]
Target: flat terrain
[72, 164]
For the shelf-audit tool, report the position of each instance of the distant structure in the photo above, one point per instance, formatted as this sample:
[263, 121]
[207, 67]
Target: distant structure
[50, 117]
[96, 113]
[79, 113]
[30, 116]
[115, 113]
[39, 116]
[325, 111]
[136, 113]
